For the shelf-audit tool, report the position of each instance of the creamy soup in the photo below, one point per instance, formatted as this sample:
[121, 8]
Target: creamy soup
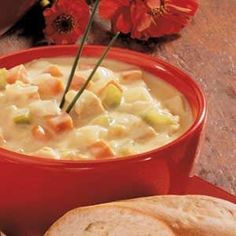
[123, 111]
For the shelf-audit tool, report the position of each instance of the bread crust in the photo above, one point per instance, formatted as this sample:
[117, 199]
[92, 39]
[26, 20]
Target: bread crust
[104, 225]
[188, 215]
[192, 215]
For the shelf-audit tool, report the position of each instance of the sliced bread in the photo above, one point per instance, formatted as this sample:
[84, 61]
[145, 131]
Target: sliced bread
[108, 220]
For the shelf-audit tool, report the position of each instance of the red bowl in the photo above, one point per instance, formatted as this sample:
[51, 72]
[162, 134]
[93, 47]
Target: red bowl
[35, 191]
[11, 11]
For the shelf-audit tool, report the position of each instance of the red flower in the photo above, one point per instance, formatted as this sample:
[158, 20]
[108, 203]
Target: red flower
[148, 18]
[66, 21]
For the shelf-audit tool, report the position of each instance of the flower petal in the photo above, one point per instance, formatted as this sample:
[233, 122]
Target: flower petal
[140, 18]
[108, 8]
[123, 21]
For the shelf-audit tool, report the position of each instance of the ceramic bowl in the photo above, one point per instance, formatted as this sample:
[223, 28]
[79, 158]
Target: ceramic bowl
[34, 191]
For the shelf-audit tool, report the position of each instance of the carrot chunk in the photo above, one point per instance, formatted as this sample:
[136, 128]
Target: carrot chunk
[50, 87]
[17, 73]
[54, 71]
[60, 123]
[40, 133]
[132, 75]
[77, 82]
[101, 150]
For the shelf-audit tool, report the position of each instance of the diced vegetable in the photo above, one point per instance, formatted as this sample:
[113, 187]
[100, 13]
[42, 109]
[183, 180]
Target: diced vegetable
[44, 108]
[72, 155]
[101, 150]
[147, 134]
[117, 131]
[132, 75]
[87, 135]
[135, 94]
[157, 119]
[70, 95]
[60, 123]
[68, 154]
[175, 105]
[101, 78]
[77, 82]
[21, 93]
[3, 78]
[49, 85]
[89, 105]
[54, 71]
[135, 108]
[18, 73]
[102, 120]
[47, 152]
[23, 117]
[128, 148]
[40, 133]
[111, 95]
[104, 74]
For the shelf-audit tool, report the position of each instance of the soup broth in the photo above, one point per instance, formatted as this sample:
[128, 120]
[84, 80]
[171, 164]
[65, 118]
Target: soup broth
[123, 111]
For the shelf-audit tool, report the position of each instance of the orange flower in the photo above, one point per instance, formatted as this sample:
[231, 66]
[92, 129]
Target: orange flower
[66, 21]
[148, 18]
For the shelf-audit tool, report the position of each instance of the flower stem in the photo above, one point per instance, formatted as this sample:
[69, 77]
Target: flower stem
[70, 106]
[76, 61]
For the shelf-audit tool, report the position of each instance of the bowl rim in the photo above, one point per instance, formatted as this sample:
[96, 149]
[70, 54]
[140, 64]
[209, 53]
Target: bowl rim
[200, 119]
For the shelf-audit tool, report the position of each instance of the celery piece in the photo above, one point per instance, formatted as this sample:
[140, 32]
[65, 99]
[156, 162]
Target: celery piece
[3, 78]
[23, 118]
[156, 119]
[112, 96]
[102, 120]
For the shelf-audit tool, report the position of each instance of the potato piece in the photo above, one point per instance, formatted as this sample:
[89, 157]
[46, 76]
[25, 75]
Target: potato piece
[101, 150]
[70, 95]
[47, 152]
[111, 95]
[20, 93]
[87, 135]
[44, 108]
[102, 120]
[117, 131]
[104, 74]
[67, 154]
[60, 123]
[140, 131]
[101, 78]
[49, 85]
[89, 105]
[135, 108]
[175, 105]
[17, 73]
[135, 94]
[127, 148]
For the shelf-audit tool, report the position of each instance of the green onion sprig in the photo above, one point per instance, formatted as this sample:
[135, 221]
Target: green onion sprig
[76, 61]
[70, 106]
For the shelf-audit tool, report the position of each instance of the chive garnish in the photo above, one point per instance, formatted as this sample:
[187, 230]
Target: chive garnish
[70, 106]
[76, 61]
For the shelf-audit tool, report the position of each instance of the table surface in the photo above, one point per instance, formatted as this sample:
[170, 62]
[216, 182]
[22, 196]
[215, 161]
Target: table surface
[206, 50]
